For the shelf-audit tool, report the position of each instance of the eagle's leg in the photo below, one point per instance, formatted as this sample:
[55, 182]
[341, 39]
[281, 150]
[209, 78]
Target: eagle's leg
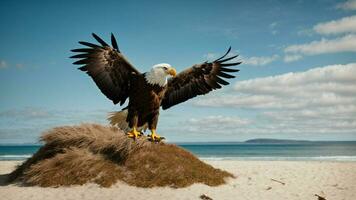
[152, 124]
[154, 136]
[133, 120]
[134, 133]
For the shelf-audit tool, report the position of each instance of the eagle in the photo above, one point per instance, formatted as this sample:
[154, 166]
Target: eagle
[161, 86]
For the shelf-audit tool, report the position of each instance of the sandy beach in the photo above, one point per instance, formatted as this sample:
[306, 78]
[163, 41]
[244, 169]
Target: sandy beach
[254, 180]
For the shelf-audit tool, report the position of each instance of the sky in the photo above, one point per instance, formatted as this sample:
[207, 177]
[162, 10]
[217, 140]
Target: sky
[297, 80]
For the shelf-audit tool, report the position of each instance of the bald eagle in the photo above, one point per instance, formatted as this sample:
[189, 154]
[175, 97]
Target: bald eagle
[161, 86]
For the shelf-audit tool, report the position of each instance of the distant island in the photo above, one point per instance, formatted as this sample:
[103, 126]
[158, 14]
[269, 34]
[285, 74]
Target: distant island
[274, 141]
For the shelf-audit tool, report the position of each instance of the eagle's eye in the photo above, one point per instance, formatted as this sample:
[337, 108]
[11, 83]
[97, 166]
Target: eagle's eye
[165, 68]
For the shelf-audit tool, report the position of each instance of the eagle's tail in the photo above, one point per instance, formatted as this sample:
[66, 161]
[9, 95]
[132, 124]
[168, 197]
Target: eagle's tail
[118, 119]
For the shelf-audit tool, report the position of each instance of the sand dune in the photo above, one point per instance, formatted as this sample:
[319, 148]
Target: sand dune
[302, 180]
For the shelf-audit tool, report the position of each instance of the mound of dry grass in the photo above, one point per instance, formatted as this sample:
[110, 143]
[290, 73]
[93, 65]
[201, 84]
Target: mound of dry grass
[75, 155]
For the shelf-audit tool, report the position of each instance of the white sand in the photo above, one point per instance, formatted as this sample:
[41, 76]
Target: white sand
[332, 180]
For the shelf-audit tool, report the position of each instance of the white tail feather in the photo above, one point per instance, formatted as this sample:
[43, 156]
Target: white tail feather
[119, 119]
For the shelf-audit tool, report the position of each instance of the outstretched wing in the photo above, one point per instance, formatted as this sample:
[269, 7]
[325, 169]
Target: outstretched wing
[198, 80]
[109, 69]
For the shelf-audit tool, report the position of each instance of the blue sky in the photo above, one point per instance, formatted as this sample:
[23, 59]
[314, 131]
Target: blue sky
[295, 81]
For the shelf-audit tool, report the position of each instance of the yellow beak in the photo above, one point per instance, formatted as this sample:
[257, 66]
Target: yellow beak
[172, 72]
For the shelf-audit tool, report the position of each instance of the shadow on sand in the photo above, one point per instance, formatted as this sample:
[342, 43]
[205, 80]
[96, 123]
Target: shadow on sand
[4, 179]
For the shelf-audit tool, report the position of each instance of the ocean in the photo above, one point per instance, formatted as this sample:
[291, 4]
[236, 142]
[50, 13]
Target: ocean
[304, 151]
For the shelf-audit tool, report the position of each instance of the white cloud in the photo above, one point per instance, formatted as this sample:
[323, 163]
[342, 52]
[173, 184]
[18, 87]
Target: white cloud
[214, 124]
[3, 64]
[211, 56]
[27, 113]
[342, 44]
[317, 101]
[218, 120]
[254, 60]
[274, 32]
[345, 43]
[25, 125]
[348, 5]
[292, 58]
[306, 32]
[273, 27]
[343, 25]
[259, 61]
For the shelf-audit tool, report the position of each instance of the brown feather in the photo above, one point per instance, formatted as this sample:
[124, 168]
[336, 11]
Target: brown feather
[109, 69]
[198, 80]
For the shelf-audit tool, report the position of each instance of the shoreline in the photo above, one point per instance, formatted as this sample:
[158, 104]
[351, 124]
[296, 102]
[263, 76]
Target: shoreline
[254, 180]
[19, 158]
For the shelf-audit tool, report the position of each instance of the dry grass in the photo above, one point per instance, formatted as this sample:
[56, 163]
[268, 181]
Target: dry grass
[75, 155]
[74, 166]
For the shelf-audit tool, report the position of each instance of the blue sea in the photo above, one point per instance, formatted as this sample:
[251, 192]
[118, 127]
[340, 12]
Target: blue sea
[318, 151]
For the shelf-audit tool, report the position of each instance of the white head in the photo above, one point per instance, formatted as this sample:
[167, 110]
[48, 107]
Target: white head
[159, 74]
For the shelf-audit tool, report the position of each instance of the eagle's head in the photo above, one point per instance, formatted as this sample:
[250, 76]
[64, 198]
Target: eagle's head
[159, 74]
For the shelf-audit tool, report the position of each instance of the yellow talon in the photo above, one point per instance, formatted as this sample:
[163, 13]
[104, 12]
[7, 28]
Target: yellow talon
[134, 133]
[155, 137]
